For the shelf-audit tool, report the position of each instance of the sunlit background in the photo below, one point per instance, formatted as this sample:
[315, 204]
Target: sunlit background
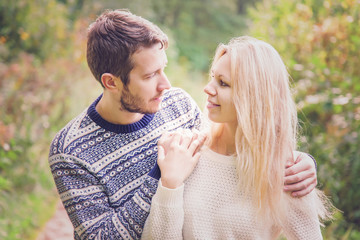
[45, 82]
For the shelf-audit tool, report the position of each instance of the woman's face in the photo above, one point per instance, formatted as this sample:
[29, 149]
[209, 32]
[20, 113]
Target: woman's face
[220, 105]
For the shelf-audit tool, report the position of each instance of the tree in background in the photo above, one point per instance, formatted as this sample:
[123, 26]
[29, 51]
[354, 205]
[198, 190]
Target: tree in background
[320, 41]
[197, 27]
[37, 27]
[42, 60]
[39, 62]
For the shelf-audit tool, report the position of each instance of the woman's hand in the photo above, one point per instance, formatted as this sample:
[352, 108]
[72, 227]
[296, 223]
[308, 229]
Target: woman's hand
[300, 175]
[178, 154]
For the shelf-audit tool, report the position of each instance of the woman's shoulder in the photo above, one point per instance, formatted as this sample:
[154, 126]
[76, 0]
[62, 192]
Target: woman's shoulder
[210, 155]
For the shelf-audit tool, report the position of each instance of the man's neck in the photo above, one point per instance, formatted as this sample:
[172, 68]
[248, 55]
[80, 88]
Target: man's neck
[111, 111]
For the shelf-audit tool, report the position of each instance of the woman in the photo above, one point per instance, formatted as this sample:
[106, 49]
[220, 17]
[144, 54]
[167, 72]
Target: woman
[236, 190]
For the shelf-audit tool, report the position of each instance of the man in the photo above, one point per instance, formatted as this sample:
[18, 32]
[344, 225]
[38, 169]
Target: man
[104, 160]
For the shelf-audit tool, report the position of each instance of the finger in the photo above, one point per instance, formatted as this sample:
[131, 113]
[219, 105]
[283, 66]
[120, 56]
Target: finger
[202, 138]
[305, 159]
[304, 192]
[196, 158]
[299, 186]
[188, 132]
[195, 133]
[193, 146]
[296, 168]
[290, 160]
[291, 179]
[168, 136]
[164, 138]
[179, 131]
[186, 138]
[161, 154]
[176, 139]
[299, 156]
[288, 164]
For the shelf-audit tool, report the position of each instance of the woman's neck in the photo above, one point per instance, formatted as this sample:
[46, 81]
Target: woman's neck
[224, 143]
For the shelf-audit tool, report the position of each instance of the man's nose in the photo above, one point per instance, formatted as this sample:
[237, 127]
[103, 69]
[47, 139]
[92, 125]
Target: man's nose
[164, 83]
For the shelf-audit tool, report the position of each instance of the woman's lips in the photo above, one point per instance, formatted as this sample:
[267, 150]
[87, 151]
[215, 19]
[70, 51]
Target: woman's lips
[212, 105]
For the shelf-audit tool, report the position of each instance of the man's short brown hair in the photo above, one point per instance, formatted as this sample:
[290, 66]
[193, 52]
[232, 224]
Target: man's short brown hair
[114, 37]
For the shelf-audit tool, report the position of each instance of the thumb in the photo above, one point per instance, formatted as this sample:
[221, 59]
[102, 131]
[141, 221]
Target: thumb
[298, 158]
[161, 153]
[289, 161]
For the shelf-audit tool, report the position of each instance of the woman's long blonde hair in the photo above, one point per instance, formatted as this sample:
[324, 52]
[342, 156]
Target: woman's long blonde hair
[267, 122]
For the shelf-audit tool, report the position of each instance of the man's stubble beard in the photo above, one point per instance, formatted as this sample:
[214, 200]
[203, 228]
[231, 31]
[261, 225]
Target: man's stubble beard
[134, 104]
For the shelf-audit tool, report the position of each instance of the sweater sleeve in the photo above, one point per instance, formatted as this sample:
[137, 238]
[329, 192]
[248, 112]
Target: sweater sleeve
[166, 216]
[303, 217]
[89, 207]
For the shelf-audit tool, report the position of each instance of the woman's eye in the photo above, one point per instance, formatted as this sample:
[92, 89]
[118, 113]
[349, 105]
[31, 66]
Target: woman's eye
[223, 84]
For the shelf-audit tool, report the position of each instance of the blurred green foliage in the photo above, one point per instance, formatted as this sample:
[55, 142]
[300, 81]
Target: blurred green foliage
[320, 42]
[197, 26]
[40, 56]
[34, 26]
[43, 72]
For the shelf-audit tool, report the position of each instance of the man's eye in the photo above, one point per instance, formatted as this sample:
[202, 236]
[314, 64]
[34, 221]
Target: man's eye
[151, 75]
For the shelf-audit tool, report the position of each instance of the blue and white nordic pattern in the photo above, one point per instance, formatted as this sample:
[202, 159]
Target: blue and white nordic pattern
[106, 174]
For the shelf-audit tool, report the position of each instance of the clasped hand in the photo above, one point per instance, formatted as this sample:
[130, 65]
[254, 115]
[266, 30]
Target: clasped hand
[178, 154]
[300, 175]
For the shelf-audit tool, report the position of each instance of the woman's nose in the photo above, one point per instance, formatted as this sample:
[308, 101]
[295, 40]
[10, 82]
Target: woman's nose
[209, 90]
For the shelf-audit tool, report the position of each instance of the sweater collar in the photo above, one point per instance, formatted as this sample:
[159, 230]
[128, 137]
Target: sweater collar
[117, 128]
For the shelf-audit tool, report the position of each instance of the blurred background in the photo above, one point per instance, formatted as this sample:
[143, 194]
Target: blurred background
[45, 82]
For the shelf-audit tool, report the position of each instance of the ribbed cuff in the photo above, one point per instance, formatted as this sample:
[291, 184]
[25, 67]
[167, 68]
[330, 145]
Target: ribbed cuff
[155, 172]
[169, 197]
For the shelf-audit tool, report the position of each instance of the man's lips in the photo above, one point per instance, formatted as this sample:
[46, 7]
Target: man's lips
[158, 98]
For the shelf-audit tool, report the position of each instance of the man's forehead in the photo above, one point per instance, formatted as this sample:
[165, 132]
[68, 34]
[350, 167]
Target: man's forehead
[149, 57]
[148, 49]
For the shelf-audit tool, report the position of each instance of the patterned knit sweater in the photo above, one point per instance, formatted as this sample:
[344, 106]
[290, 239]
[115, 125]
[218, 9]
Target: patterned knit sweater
[106, 174]
[210, 205]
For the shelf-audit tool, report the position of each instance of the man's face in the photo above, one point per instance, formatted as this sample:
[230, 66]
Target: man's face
[147, 81]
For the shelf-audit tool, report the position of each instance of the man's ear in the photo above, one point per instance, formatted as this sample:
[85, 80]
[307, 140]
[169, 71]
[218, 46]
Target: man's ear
[111, 82]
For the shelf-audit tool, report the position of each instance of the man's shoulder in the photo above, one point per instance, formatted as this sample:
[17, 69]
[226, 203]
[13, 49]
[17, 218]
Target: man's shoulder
[175, 91]
[178, 96]
[69, 131]
[178, 106]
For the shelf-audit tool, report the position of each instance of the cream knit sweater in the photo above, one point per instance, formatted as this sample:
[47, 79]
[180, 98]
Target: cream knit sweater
[211, 206]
